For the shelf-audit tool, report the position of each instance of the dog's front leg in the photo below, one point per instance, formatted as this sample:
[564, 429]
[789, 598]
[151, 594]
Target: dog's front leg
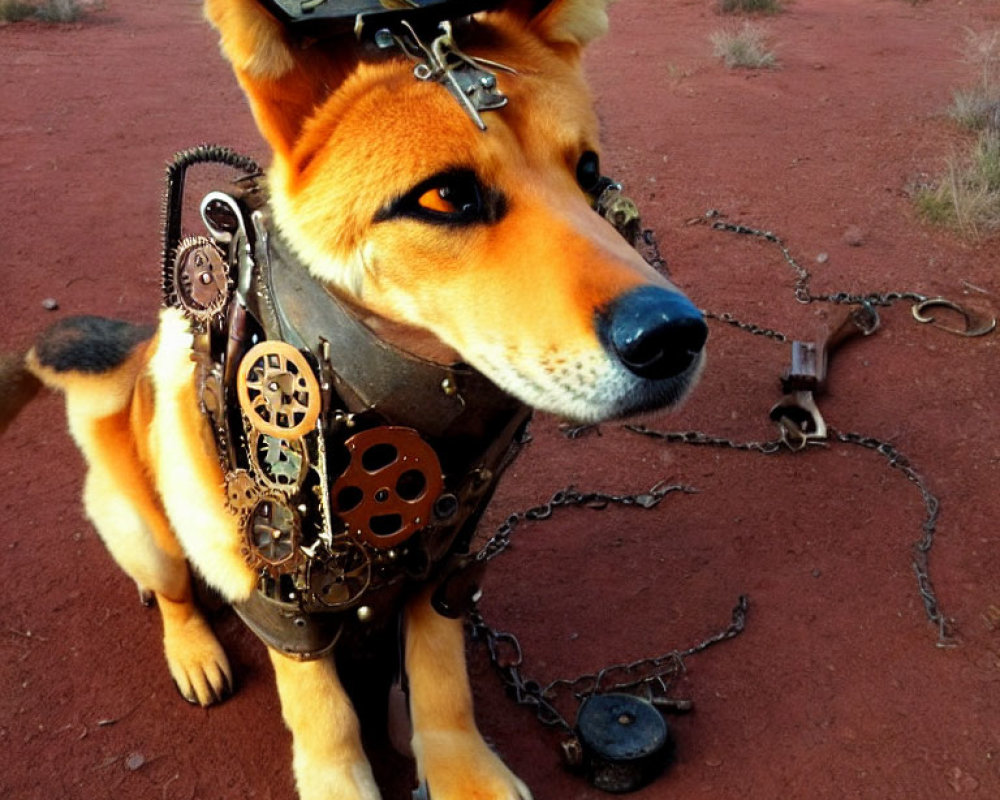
[328, 759]
[451, 755]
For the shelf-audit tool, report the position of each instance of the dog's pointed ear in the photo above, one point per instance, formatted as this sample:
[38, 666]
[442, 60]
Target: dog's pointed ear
[284, 81]
[568, 23]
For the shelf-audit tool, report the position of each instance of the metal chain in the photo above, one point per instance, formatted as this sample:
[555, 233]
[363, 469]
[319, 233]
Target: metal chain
[652, 675]
[747, 327]
[922, 547]
[803, 276]
[569, 496]
[768, 448]
[895, 459]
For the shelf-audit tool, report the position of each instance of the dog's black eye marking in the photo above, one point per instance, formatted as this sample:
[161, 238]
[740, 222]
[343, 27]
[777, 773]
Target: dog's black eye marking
[454, 197]
[588, 171]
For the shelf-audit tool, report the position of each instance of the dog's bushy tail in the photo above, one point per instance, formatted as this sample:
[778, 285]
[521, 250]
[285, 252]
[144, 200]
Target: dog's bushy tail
[17, 387]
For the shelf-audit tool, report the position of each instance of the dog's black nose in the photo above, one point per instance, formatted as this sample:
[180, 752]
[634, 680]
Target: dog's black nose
[656, 333]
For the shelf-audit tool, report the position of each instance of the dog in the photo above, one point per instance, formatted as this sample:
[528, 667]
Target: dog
[456, 234]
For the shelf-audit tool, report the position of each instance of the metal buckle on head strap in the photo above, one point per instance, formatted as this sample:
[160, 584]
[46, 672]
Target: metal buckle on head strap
[467, 78]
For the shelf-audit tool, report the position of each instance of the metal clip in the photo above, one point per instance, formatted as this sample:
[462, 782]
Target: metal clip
[799, 420]
[468, 78]
[974, 326]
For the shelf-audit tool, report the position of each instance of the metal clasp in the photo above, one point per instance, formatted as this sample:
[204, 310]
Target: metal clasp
[800, 422]
[974, 325]
[467, 78]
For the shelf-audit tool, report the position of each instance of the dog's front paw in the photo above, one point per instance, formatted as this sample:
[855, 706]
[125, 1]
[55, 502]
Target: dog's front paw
[459, 766]
[196, 660]
[330, 781]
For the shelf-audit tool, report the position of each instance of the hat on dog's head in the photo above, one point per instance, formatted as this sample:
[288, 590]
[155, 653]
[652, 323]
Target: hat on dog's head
[400, 24]
[319, 17]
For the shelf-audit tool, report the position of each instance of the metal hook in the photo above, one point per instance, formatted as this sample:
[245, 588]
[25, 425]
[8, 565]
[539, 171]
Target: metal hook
[973, 325]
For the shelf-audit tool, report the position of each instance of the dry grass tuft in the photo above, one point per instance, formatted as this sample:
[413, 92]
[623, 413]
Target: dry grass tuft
[15, 10]
[750, 6]
[743, 47]
[42, 10]
[978, 106]
[967, 197]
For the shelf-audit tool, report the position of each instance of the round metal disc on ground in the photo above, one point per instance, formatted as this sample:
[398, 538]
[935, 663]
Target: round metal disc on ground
[624, 741]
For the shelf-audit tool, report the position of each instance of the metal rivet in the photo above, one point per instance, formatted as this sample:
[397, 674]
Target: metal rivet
[449, 387]
[445, 506]
[365, 613]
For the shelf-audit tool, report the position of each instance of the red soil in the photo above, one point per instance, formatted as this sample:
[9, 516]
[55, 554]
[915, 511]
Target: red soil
[836, 689]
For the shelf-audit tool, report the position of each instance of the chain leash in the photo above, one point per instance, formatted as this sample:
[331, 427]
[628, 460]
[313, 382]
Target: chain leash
[569, 497]
[895, 459]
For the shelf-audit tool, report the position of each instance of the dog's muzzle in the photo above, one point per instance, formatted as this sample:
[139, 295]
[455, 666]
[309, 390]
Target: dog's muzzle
[655, 333]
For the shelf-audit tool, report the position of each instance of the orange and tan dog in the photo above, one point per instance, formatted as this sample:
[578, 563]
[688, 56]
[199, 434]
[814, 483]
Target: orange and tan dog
[459, 244]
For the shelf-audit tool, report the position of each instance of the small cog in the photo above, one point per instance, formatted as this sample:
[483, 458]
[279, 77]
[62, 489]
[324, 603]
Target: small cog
[199, 282]
[279, 463]
[339, 580]
[242, 491]
[272, 537]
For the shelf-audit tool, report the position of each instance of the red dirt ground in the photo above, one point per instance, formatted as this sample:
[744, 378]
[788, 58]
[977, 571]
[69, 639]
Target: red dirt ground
[836, 689]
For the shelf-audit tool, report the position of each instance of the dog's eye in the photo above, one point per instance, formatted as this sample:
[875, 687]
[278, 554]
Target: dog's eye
[455, 197]
[588, 171]
[451, 199]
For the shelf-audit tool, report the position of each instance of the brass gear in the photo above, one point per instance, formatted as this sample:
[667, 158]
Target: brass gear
[272, 533]
[199, 281]
[278, 390]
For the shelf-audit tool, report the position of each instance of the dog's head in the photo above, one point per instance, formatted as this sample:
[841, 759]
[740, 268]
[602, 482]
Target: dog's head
[483, 242]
